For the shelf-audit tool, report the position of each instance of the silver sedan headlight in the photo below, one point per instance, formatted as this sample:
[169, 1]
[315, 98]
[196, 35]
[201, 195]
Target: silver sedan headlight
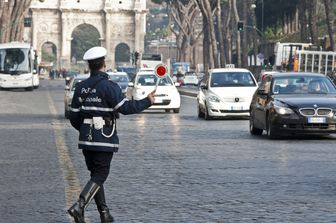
[213, 98]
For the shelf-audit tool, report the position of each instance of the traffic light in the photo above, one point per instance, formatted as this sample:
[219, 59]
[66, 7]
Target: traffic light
[240, 26]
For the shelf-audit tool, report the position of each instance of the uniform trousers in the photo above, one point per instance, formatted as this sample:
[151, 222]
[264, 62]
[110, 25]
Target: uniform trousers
[98, 163]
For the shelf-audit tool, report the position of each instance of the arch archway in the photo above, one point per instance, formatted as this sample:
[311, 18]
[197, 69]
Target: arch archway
[49, 53]
[83, 37]
[122, 54]
[48, 58]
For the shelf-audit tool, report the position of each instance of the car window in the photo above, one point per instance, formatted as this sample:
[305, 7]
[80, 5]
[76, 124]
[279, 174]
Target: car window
[302, 85]
[150, 80]
[119, 78]
[232, 79]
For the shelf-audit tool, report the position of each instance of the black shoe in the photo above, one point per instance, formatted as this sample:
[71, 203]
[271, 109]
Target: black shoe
[77, 210]
[105, 216]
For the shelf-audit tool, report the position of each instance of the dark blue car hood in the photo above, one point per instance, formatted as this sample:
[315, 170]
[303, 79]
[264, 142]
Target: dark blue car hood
[308, 100]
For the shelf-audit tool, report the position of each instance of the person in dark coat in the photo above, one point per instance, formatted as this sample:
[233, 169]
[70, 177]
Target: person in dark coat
[95, 103]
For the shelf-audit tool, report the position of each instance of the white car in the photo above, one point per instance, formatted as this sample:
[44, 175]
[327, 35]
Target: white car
[190, 78]
[226, 92]
[69, 91]
[166, 96]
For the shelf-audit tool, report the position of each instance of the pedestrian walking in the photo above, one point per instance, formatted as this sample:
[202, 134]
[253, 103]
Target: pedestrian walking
[93, 111]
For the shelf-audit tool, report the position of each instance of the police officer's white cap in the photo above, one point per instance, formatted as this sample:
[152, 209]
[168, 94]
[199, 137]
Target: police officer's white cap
[95, 53]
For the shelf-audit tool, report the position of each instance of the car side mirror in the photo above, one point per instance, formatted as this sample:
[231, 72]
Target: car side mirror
[130, 84]
[203, 86]
[67, 88]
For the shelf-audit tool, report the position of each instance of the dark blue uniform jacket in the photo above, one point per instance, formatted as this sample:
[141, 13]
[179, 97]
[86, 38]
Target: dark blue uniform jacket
[99, 97]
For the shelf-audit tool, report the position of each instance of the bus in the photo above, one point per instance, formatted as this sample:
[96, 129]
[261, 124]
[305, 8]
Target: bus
[150, 60]
[18, 66]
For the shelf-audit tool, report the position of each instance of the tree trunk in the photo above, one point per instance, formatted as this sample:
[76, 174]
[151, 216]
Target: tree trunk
[238, 51]
[328, 4]
[244, 42]
[12, 18]
[227, 34]
[220, 35]
[313, 21]
[255, 35]
[303, 21]
[208, 57]
[206, 45]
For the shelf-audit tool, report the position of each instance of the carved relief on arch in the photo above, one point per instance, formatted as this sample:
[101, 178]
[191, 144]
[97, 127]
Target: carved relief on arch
[116, 29]
[43, 27]
[129, 29]
[55, 28]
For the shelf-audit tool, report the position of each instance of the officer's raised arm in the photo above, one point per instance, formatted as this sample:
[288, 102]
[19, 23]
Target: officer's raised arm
[126, 106]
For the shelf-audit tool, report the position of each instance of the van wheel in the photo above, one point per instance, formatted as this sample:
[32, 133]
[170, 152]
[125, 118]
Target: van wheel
[176, 110]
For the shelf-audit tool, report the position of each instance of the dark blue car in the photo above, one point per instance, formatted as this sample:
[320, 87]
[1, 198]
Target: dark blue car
[121, 78]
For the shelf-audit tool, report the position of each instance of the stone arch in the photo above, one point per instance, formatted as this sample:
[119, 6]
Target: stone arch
[122, 54]
[48, 55]
[83, 37]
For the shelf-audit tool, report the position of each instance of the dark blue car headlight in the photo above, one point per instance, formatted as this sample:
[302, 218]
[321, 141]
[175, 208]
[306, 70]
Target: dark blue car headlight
[282, 109]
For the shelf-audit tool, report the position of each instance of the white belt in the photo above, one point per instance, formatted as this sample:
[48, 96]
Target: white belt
[90, 122]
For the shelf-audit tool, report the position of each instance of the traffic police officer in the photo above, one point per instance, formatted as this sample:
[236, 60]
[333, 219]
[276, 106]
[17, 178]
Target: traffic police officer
[95, 103]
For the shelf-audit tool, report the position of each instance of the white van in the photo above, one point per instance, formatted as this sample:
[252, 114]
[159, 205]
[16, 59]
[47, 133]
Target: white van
[226, 92]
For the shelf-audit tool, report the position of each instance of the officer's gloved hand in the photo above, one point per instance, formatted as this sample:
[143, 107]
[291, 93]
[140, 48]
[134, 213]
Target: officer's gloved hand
[151, 97]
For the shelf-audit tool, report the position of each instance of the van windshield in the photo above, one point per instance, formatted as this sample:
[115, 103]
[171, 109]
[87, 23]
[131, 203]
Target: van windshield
[14, 61]
[232, 79]
[150, 80]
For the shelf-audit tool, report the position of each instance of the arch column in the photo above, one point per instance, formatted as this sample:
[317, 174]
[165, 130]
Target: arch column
[139, 21]
[66, 45]
[109, 59]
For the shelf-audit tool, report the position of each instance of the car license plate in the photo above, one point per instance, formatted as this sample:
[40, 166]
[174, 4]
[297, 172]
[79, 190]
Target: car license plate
[236, 108]
[316, 120]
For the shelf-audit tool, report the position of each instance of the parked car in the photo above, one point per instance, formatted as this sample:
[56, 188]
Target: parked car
[190, 78]
[294, 103]
[69, 91]
[68, 75]
[121, 78]
[166, 97]
[226, 92]
[130, 70]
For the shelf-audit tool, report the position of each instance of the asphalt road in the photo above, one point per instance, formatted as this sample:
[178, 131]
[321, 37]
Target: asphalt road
[169, 168]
